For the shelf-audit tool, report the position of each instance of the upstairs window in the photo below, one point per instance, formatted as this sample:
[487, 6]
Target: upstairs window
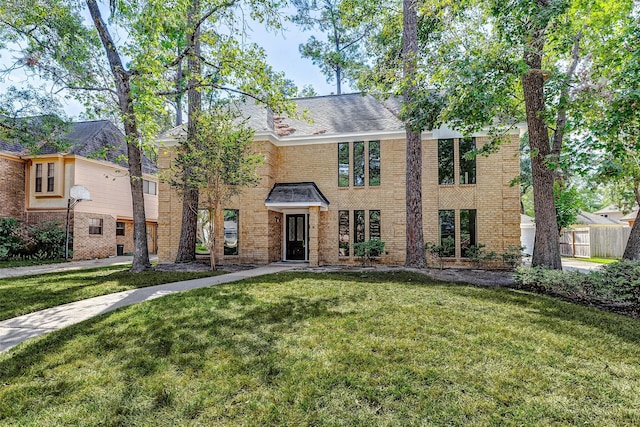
[445, 162]
[358, 164]
[467, 165]
[38, 177]
[50, 176]
[365, 164]
[343, 164]
[374, 163]
[149, 187]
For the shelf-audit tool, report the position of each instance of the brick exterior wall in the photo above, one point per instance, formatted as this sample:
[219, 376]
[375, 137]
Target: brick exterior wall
[261, 230]
[90, 246]
[12, 179]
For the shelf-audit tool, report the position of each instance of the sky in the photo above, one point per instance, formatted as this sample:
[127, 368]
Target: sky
[282, 53]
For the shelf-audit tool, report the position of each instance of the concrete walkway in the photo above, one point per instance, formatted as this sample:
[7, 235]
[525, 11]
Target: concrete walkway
[16, 330]
[66, 266]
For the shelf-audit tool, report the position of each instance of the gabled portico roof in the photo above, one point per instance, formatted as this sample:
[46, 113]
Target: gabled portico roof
[296, 195]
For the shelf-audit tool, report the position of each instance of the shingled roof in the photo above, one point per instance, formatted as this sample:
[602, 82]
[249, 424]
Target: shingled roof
[332, 114]
[328, 115]
[100, 140]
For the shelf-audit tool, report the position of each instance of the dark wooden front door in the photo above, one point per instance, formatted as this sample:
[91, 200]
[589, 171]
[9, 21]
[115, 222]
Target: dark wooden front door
[296, 237]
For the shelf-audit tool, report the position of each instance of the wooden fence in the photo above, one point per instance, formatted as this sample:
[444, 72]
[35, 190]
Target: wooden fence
[594, 241]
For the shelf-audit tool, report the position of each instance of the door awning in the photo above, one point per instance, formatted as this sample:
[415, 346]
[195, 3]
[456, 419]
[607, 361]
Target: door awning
[296, 195]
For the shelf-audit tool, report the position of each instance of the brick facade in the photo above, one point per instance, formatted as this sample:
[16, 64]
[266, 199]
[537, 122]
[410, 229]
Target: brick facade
[12, 183]
[261, 230]
[90, 246]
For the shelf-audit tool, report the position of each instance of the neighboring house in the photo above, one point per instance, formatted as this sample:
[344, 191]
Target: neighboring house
[615, 213]
[341, 179]
[35, 188]
[630, 218]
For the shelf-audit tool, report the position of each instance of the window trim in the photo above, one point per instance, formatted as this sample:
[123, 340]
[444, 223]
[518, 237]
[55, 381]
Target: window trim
[462, 161]
[120, 230]
[224, 239]
[38, 181]
[146, 187]
[51, 175]
[95, 230]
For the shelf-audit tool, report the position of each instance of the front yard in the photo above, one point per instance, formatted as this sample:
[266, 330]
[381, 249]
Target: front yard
[332, 349]
[22, 295]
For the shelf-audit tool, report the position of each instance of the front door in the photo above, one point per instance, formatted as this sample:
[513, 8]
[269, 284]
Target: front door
[296, 237]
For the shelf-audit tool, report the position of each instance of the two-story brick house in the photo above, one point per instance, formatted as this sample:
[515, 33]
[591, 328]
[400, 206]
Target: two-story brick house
[341, 179]
[35, 188]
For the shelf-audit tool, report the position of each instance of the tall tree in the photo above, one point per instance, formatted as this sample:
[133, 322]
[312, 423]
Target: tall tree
[218, 161]
[63, 48]
[340, 54]
[616, 124]
[190, 193]
[415, 239]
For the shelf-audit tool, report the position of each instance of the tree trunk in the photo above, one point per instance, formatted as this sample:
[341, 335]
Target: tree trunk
[123, 88]
[632, 250]
[546, 251]
[187, 243]
[212, 239]
[415, 240]
[339, 80]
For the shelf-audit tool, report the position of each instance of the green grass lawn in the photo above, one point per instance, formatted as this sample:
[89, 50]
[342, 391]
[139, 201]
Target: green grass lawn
[596, 260]
[29, 262]
[21, 295]
[332, 349]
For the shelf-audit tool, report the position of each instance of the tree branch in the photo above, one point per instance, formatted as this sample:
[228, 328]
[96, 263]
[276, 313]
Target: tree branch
[561, 120]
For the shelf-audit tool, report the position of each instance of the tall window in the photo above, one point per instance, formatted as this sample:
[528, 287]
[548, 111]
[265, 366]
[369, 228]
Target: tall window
[149, 187]
[343, 233]
[343, 164]
[361, 229]
[445, 161]
[358, 164]
[95, 226]
[50, 176]
[119, 228]
[365, 164]
[374, 226]
[467, 230]
[447, 232]
[358, 219]
[231, 232]
[374, 163]
[467, 165]
[38, 177]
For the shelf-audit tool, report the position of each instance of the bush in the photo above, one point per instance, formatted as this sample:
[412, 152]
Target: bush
[617, 283]
[42, 241]
[368, 250]
[11, 241]
[47, 240]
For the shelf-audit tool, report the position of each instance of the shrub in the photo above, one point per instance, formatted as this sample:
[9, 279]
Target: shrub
[513, 256]
[11, 241]
[439, 252]
[617, 283]
[47, 240]
[368, 250]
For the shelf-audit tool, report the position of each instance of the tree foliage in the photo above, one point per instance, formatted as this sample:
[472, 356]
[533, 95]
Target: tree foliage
[220, 163]
[340, 55]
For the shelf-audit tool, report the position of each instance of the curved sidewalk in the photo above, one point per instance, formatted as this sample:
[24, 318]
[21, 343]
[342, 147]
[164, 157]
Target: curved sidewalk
[16, 330]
